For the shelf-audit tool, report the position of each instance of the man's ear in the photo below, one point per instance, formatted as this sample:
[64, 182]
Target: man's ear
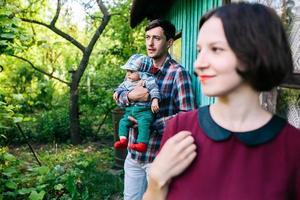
[170, 43]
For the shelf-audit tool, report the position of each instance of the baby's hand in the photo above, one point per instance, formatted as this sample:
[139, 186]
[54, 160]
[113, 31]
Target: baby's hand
[115, 96]
[154, 105]
[141, 83]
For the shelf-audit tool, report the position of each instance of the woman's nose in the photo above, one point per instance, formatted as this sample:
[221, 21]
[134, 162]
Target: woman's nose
[201, 62]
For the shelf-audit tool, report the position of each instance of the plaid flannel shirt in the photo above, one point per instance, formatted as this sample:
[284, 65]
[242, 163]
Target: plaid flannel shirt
[176, 93]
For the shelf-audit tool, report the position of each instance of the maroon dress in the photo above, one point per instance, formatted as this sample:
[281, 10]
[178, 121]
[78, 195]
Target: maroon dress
[263, 164]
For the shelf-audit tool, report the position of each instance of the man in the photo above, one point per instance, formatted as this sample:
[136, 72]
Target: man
[176, 96]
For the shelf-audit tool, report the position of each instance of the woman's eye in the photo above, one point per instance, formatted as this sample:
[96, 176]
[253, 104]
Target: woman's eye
[217, 49]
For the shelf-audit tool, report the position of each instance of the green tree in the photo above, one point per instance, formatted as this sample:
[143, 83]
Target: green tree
[49, 55]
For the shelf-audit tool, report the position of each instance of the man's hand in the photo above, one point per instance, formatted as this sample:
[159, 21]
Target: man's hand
[133, 120]
[139, 93]
[154, 105]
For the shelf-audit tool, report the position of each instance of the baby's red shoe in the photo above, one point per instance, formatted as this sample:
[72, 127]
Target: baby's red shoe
[141, 147]
[121, 144]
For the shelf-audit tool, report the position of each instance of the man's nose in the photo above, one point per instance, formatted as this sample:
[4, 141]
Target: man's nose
[150, 42]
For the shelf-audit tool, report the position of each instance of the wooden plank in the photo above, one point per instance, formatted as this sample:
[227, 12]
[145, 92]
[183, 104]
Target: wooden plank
[292, 82]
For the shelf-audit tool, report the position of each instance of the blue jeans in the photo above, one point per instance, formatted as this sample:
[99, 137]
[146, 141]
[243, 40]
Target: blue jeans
[135, 183]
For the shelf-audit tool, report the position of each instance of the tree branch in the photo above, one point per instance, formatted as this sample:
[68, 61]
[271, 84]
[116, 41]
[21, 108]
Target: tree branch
[54, 20]
[89, 48]
[1, 68]
[40, 70]
[58, 32]
[29, 145]
[104, 119]
[101, 27]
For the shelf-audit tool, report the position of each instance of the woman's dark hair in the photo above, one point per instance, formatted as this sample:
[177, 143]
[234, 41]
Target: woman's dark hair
[256, 35]
[168, 28]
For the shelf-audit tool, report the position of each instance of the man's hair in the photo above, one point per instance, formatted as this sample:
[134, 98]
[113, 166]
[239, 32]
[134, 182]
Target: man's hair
[256, 35]
[168, 28]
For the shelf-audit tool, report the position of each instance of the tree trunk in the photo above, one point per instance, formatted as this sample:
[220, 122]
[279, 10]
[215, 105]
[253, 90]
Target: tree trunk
[74, 112]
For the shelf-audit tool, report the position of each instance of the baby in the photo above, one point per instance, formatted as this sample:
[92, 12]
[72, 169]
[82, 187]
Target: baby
[142, 111]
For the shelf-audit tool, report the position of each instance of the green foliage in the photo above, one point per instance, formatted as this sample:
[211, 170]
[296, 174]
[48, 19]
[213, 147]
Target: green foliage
[68, 173]
[45, 100]
[52, 125]
[13, 38]
[285, 98]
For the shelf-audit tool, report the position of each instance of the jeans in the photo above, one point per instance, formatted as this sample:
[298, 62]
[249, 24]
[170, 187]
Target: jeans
[136, 174]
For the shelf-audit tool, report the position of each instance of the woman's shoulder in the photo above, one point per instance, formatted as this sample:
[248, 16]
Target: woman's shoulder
[292, 134]
[290, 138]
[185, 120]
[187, 115]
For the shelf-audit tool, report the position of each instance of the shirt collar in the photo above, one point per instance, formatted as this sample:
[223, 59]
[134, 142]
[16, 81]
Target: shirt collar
[166, 64]
[252, 138]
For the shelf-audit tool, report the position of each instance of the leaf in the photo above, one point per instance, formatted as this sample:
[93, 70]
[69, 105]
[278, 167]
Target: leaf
[37, 196]
[43, 170]
[11, 185]
[7, 35]
[9, 171]
[24, 191]
[58, 187]
[59, 169]
[18, 97]
[40, 42]
[3, 43]
[27, 119]
[9, 157]
[17, 119]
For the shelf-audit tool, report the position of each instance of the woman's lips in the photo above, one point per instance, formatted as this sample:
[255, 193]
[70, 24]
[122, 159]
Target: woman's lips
[204, 78]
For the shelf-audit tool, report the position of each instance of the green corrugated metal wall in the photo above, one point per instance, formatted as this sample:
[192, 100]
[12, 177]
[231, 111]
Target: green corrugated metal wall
[185, 15]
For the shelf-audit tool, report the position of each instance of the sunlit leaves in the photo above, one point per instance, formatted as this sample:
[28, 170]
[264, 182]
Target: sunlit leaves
[13, 38]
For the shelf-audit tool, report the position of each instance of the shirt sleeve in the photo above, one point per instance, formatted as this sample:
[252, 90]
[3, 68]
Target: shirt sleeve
[169, 131]
[152, 88]
[184, 97]
[122, 95]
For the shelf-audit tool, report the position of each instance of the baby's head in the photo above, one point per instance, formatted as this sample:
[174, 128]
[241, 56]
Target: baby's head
[134, 65]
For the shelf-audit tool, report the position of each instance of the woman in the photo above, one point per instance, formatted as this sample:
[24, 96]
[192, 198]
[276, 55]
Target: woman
[233, 149]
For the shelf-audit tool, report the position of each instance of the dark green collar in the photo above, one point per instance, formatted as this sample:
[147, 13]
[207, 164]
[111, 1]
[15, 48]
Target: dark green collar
[256, 137]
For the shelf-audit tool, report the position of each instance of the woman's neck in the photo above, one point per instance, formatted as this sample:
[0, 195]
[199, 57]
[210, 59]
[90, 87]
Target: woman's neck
[240, 112]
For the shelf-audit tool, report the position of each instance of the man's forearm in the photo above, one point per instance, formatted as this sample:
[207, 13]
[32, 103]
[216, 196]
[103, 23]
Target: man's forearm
[138, 94]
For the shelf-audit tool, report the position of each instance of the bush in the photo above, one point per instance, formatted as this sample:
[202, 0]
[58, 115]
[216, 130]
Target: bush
[52, 125]
[68, 172]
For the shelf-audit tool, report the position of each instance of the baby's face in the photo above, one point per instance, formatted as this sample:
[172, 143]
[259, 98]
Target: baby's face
[133, 75]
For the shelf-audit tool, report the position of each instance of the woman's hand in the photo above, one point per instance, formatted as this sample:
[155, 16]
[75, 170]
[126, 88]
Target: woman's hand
[175, 156]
